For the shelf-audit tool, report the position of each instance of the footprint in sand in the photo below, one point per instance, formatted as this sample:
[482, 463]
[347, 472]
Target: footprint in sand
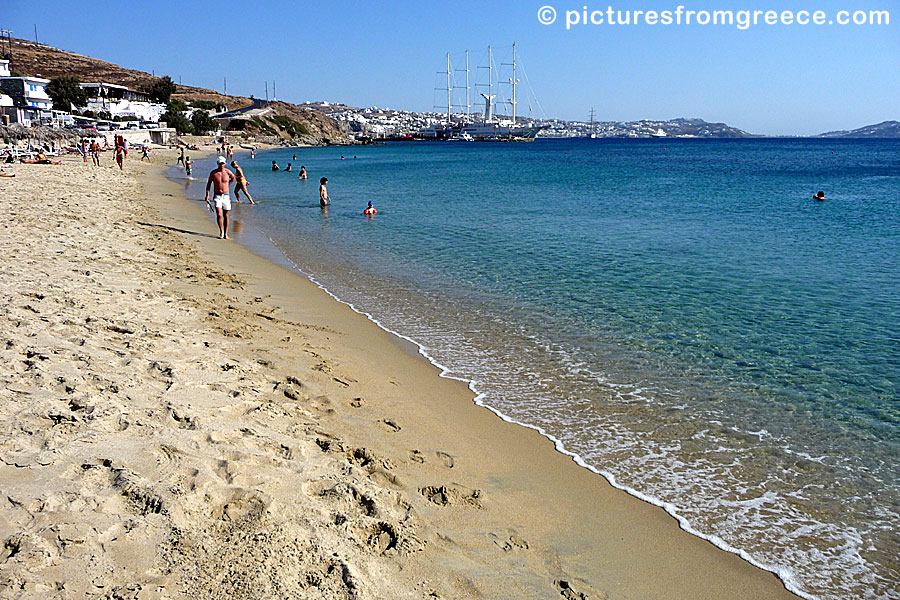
[389, 425]
[342, 496]
[446, 459]
[567, 591]
[448, 495]
[509, 542]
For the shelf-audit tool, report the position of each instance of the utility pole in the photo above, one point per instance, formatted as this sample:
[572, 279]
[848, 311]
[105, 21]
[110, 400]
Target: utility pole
[274, 95]
[7, 33]
[267, 92]
[35, 33]
[224, 86]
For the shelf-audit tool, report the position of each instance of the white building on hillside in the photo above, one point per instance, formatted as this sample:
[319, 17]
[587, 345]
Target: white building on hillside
[29, 97]
[120, 101]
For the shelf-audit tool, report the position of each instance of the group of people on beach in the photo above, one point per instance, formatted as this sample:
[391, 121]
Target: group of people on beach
[221, 178]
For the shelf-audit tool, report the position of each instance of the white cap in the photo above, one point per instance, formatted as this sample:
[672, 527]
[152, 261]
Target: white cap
[221, 160]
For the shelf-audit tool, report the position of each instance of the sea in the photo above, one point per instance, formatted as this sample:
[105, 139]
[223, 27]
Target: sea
[678, 315]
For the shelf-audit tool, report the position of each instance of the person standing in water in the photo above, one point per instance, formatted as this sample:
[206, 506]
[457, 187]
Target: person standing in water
[240, 183]
[220, 179]
[302, 172]
[324, 200]
[370, 210]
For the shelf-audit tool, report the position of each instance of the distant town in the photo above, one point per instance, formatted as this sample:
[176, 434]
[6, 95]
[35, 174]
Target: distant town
[113, 98]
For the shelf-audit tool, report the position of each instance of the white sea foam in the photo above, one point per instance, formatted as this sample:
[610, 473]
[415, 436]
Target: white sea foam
[660, 464]
[785, 574]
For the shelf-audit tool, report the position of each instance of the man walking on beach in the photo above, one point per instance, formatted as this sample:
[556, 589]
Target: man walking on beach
[95, 153]
[120, 155]
[220, 179]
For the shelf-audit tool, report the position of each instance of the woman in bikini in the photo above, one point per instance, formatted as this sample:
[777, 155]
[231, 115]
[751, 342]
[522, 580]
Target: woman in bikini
[240, 183]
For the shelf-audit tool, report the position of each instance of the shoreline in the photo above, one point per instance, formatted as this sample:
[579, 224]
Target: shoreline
[445, 372]
[416, 488]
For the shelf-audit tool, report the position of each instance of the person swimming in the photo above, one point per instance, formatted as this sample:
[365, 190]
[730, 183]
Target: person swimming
[370, 210]
[275, 166]
[819, 196]
[288, 168]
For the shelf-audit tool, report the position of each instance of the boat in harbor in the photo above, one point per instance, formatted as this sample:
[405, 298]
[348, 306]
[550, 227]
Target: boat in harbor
[659, 134]
[487, 127]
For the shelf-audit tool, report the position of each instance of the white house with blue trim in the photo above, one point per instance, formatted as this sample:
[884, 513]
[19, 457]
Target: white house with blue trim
[29, 96]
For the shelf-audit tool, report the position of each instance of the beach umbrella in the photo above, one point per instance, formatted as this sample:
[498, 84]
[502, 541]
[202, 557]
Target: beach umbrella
[15, 131]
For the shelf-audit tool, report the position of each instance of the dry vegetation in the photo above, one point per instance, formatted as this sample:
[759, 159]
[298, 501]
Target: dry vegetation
[287, 122]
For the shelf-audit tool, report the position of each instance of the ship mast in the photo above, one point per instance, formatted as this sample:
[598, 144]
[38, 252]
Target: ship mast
[448, 88]
[514, 82]
[488, 98]
[467, 86]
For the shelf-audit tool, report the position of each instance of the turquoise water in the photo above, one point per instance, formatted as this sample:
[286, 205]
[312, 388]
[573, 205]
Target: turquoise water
[677, 313]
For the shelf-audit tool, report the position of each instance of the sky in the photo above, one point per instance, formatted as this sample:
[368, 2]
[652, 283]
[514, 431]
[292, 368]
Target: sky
[766, 79]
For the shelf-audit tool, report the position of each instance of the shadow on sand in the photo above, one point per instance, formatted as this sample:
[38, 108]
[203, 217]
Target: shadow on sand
[176, 229]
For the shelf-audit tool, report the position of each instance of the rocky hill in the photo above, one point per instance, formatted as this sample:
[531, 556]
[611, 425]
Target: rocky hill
[40, 60]
[886, 129]
[701, 128]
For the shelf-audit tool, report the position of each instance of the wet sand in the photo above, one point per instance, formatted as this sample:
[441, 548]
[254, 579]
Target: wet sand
[184, 419]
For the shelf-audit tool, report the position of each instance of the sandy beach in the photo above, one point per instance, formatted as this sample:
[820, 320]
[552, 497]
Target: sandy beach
[184, 419]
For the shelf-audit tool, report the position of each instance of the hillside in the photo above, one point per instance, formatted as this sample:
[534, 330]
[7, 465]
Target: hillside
[39, 60]
[886, 129]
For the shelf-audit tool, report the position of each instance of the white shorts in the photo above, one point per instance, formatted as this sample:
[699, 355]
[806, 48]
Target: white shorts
[222, 201]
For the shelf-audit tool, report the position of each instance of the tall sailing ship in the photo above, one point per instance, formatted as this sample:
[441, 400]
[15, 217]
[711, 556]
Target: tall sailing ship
[487, 126]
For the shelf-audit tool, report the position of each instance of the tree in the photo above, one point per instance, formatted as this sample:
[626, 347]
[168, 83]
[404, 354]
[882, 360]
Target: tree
[176, 105]
[202, 122]
[162, 89]
[175, 118]
[204, 104]
[67, 92]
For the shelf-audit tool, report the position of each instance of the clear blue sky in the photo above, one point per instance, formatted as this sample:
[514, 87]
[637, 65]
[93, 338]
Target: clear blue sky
[768, 79]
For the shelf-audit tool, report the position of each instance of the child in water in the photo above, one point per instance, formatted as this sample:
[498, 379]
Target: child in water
[370, 210]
